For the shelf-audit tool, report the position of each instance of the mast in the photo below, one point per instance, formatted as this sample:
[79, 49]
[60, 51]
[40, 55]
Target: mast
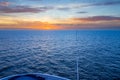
[77, 59]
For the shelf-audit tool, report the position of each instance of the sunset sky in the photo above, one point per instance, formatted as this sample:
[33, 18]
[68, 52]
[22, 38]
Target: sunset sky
[59, 14]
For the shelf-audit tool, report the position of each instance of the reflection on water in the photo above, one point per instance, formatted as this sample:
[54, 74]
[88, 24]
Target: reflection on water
[54, 52]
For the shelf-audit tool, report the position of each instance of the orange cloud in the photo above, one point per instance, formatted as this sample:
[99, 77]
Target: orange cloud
[94, 22]
[37, 25]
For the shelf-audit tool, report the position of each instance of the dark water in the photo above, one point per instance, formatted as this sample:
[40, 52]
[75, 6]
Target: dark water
[55, 52]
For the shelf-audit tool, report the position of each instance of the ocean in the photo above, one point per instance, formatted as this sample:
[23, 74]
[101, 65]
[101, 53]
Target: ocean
[56, 52]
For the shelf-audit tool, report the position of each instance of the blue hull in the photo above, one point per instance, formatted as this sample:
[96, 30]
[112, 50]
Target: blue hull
[34, 76]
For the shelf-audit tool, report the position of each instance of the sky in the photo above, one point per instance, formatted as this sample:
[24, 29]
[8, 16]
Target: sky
[59, 14]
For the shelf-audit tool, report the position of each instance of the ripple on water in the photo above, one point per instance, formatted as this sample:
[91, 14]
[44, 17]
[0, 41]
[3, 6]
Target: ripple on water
[55, 53]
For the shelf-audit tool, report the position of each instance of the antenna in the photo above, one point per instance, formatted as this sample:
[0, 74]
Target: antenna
[77, 60]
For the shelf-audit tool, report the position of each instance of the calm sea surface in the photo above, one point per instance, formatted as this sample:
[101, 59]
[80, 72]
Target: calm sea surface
[55, 52]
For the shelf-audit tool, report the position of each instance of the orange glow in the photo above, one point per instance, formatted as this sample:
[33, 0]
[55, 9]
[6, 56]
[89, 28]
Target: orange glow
[41, 26]
[71, 23]
[37, 25]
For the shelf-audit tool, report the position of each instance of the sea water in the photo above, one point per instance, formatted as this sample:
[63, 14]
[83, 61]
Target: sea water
[55, 53]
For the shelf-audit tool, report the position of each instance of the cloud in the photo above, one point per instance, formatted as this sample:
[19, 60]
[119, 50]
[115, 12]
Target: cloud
[106, 3]
[38, 25]
[94, 22]
[63, 8]
[19, 24]
[89, 26]
[100, 4]
[81, 12]
[4, 4]
[97, 18]
[34, 0]
[22, 9]
[85, 5]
